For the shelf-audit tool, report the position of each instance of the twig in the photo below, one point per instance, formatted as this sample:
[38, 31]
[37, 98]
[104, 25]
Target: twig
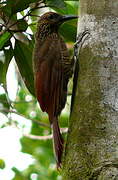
[63, 130]
[30, 136]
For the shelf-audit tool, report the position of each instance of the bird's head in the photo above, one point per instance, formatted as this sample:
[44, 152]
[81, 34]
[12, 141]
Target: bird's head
[52, 18]
[49, 23]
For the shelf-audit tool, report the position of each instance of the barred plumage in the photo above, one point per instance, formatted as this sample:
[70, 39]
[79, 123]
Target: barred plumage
[52, 70]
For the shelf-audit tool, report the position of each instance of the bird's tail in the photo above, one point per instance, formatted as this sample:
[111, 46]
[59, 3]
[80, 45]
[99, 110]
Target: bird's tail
[58, 141]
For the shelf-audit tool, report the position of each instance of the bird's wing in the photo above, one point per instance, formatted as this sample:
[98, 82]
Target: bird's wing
[50, 76]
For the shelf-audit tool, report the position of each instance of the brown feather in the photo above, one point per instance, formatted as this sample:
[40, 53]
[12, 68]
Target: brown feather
[52, 72]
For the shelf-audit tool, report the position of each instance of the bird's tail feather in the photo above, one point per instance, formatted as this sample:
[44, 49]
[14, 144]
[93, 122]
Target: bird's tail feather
[58, 141]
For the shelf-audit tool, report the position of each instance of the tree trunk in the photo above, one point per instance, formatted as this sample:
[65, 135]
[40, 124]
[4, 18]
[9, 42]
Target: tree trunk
[92, 145]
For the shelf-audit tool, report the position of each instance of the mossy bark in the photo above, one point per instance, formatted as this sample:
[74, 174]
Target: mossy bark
[92, 145]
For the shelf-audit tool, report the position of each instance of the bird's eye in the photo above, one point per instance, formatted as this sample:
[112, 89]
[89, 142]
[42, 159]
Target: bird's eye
[51, 16]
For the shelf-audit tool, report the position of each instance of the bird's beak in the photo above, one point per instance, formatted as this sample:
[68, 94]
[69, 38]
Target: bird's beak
[68, 17]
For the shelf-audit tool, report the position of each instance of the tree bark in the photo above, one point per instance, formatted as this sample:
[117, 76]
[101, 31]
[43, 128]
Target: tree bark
[91, 151]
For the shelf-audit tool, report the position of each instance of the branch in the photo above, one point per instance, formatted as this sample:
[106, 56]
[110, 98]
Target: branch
[30, 136]
[33, 120]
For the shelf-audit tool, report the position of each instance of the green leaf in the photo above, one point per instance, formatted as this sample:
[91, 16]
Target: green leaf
[23, 58]
[71, 7]
[68, 31]
[4, 38]
[56, 3]
[6, 9]
[19, 5]
[22, 25]
[5, 59]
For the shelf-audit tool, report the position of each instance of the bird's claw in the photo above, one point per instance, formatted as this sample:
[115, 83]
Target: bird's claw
[80, 37]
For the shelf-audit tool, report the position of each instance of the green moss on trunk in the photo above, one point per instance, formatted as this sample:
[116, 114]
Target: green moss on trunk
[92, 139]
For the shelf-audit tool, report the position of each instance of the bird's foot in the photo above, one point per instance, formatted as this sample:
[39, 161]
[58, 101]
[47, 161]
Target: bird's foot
[80, 40]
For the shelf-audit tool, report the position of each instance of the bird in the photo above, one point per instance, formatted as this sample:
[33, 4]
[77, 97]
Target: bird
[52, 71]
